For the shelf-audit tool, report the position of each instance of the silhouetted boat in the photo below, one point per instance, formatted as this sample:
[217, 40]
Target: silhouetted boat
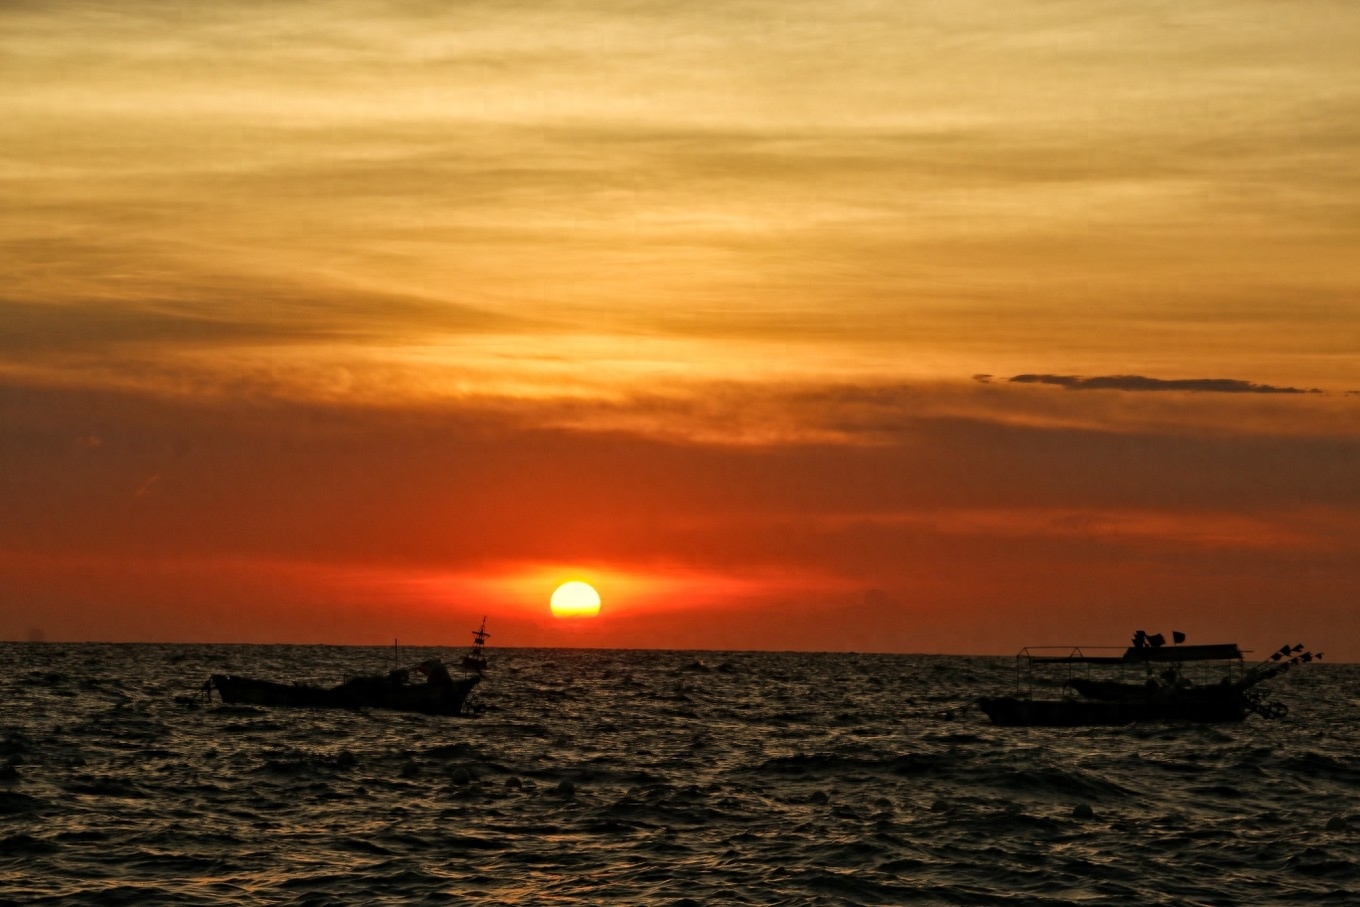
[427, 687]
[395, 690]
[1210, 683]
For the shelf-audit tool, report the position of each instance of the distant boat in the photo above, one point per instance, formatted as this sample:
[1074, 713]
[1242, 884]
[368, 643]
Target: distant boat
[1206, 683]
[427, 687]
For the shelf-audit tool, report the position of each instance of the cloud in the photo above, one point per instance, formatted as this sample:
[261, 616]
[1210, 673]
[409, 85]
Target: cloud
[455, 483]
[1142, 383]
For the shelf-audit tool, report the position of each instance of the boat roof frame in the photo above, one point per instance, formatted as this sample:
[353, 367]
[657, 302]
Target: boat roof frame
[1132, 654]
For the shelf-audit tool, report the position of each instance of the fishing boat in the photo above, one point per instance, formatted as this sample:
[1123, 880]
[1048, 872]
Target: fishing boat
[426, 687]
[1148, 681]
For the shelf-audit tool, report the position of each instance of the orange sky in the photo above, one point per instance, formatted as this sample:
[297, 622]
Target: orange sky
[350, 321]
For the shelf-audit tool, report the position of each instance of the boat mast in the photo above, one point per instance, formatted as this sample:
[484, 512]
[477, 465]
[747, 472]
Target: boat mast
[475, 660]
[479, 638]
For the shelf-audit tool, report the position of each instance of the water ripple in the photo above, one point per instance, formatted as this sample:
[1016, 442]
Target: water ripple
[655, 778]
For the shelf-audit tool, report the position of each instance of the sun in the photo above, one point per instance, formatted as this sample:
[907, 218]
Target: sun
[575, 599]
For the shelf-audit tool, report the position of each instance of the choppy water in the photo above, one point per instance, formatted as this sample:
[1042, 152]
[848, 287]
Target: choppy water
[641, 778]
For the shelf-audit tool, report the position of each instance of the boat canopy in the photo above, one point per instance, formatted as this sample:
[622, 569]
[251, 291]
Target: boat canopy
[1216, 652]
[1141, 654]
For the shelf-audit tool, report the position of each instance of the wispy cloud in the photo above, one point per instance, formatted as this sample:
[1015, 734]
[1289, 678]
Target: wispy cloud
[632, 168]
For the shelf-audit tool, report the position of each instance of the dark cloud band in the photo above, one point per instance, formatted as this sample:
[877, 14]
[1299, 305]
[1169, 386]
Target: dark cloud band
[1142, 383]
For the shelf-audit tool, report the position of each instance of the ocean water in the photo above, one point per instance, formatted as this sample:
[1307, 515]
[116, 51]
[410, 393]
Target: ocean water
[648, 778]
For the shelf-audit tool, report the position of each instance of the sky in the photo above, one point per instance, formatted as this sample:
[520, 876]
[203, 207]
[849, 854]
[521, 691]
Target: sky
[875, 326]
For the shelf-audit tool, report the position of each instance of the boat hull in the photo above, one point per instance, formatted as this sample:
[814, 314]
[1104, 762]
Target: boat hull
[1014, 711]
[363, 692]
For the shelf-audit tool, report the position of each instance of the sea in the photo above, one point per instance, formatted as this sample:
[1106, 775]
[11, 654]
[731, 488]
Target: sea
[654, 778]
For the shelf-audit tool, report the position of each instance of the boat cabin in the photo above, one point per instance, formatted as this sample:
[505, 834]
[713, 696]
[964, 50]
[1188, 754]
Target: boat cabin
[1058, 666]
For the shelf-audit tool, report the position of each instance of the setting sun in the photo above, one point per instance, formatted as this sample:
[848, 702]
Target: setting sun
[575, 599]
